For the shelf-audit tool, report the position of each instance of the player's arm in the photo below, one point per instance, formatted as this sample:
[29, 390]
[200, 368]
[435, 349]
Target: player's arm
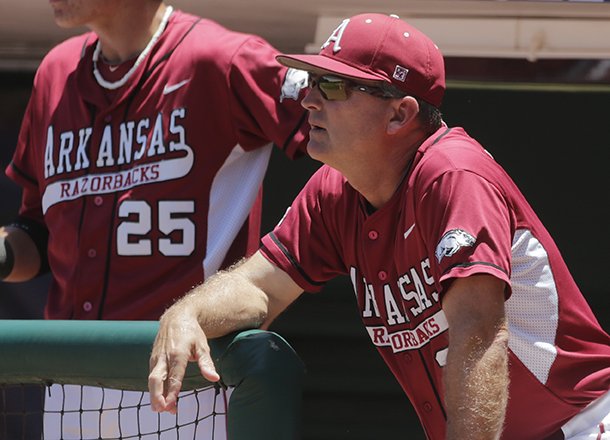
[476, 373]
[249, 295]
[19, 256]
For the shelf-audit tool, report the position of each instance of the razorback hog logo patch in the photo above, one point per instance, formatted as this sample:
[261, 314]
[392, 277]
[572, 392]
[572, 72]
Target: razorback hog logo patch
[452, 242]
[293, 83]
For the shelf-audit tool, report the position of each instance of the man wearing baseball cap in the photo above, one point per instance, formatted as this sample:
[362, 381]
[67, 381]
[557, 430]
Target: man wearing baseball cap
[459, 285]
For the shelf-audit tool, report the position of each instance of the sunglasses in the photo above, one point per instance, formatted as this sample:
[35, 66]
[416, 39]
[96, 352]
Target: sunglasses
[334, 88]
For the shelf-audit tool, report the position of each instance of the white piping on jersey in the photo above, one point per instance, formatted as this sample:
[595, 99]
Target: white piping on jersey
[232, 194]
[533, 308]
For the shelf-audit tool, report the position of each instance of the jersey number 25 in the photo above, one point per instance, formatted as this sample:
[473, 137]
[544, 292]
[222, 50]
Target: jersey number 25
[132, 232]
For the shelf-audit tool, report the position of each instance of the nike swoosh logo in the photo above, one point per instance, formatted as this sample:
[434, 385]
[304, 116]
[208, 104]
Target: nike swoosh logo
[408, 231]
[169, 89]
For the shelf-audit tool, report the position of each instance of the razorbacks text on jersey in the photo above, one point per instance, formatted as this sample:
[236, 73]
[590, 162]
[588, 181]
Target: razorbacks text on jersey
[456, 214]
[147, 189]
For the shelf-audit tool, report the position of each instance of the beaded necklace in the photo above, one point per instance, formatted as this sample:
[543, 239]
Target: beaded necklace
[121, 82]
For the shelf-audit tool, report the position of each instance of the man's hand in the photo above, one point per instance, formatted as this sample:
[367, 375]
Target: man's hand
[19, 259]
[180, 339]
[248, 295]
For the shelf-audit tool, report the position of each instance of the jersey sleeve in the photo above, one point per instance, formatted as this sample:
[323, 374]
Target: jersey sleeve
[24, 164]
[262, 111]
[467, 224]
[305, 242]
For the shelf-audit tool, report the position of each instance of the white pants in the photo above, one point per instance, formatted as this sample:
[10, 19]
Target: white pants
[592, 423]
[127, 414]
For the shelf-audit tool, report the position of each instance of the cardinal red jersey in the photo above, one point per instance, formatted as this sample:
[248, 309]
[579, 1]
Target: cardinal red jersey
[456, 214]
[148, 188]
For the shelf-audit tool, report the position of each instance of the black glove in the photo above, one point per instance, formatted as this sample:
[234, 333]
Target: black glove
[7, 259]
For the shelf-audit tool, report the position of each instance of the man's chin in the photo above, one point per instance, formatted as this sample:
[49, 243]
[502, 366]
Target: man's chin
[62, 21]
[315, 151]
[65, 20]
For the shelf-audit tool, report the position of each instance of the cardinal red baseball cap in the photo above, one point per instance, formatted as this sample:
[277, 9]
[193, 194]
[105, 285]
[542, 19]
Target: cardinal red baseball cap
[374, 48]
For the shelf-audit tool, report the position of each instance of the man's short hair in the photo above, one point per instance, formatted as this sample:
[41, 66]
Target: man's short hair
[429, 115]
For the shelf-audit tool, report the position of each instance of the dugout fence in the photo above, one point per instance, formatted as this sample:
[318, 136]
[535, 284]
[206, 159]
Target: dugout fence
[41, 361]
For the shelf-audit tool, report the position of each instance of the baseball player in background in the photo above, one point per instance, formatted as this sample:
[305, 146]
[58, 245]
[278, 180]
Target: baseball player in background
[459, 285]
[141, 157]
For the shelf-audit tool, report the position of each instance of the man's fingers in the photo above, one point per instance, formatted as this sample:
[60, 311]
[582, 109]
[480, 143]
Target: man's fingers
[165, 379]
[178, 342]
[204, 360]
[173, 383]
[156, 384]
[208, 371]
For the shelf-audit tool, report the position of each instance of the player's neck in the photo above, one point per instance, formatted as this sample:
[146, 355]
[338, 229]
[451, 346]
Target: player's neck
[381, 178]
[377, 182]
[128, 32]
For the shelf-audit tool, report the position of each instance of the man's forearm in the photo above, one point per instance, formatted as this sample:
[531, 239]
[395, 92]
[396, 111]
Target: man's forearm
[226, 302]
[246, 296]
[477, 389]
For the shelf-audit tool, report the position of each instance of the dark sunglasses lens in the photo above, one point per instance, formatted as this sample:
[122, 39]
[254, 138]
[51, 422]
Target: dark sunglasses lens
[333, 90]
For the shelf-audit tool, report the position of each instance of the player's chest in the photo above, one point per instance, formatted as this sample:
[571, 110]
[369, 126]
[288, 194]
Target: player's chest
[85, 138]
[397, 294]
[392, 273]
[110, 132]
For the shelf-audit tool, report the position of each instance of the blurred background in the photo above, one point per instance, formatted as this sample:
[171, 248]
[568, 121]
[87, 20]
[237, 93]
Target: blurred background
[529, 79]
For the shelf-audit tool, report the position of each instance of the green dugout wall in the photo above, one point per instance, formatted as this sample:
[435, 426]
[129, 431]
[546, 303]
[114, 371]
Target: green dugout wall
[260, 366]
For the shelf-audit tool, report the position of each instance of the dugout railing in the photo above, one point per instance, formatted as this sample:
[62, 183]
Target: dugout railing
[260, 368]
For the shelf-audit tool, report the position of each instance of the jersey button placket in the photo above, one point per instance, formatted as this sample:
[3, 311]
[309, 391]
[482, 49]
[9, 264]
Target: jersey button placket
[91, 271]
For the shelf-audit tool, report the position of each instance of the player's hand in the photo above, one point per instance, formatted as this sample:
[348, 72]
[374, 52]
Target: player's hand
[180, 339]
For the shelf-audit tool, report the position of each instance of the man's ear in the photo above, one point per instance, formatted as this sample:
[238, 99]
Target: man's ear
[405, 111]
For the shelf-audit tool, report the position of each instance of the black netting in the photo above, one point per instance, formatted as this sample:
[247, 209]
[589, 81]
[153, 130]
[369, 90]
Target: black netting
[71, 412]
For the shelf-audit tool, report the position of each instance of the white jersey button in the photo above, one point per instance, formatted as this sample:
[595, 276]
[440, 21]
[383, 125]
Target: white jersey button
[87, 306]
[98, 200]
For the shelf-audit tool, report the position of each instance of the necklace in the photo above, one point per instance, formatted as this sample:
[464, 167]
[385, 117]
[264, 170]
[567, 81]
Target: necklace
[121, 82]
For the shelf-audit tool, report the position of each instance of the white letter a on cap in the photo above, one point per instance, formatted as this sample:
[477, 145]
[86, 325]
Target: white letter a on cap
[336, 36]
